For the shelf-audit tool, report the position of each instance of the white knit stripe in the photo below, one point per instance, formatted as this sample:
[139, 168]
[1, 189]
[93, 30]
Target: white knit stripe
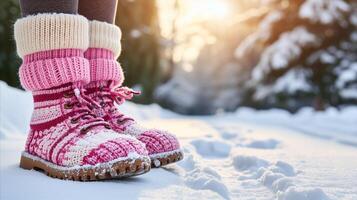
[82, 147]
[42, 115]
[135, 129]
[49, 135]
[106, 36]
[51, 91]
[47, 103]
[51, 31]
[59, 145]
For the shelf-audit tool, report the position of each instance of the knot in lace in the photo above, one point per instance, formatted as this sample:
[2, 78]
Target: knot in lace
[81, 107]
[118, 95]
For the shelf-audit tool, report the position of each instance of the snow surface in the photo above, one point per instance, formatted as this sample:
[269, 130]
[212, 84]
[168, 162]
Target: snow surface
[247, 154]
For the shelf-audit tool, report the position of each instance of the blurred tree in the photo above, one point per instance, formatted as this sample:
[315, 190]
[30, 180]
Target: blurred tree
[9, 62]
[308, 57]
[277, 53]
[138, 21]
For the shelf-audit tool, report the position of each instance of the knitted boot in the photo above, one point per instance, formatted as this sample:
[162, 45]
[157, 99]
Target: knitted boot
[106, 74]
[67, 140]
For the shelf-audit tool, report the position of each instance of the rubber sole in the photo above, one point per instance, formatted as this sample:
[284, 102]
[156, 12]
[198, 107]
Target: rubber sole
[162, 159]
[103, 171]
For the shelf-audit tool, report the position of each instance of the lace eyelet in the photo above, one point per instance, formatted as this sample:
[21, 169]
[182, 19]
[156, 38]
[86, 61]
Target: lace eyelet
[119, 121]
[68, 106]
[74, 121]
[84, 130]
[68, 94]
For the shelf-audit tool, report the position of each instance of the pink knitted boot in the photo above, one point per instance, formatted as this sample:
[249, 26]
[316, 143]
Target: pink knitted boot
[67, 140]
[106, 75]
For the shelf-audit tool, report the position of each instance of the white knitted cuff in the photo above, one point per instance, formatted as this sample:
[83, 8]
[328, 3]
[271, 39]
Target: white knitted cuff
[106, 36]
[51, 31]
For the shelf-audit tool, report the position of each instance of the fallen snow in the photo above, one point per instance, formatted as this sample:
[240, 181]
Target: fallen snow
[247, 154]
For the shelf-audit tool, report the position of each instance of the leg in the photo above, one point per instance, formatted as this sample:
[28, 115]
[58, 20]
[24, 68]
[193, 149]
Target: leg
[100, 10]
[32, 7]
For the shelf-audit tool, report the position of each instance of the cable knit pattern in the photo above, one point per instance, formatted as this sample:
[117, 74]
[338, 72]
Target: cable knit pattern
[105, 36]
[44, 32]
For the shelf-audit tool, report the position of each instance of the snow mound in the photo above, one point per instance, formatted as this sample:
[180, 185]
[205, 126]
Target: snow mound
[212, 147]
[278, 177]
[293, 193]
[242, 162]
[206, 179]
[16, 109]
[320, 124]
[263, 144]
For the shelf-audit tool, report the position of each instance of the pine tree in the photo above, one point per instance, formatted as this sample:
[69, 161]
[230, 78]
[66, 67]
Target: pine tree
[302, 61]
[290, 54]
[9, 61]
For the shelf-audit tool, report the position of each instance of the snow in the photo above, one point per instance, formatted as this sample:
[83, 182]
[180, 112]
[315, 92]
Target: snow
[324, 11]
[247, 154]
[262, 34]
[294, 80]
[287, 48]
[345, 77]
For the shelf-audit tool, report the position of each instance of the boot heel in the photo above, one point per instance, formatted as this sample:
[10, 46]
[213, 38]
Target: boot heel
[26, 163]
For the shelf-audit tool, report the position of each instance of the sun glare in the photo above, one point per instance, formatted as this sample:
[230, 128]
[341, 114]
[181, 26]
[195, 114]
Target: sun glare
[184, 23]
[206, 9]
[216, 8]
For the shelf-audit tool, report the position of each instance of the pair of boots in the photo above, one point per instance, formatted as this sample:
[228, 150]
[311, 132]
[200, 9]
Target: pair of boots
[77, 132]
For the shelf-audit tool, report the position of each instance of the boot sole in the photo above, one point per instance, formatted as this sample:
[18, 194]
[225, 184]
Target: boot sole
[162, 159]
[120, 168]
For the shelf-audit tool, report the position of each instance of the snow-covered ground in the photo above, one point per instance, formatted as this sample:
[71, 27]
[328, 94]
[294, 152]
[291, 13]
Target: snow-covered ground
[243, 155]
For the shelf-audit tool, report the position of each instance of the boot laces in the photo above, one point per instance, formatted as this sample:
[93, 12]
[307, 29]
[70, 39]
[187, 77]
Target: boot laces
[82, 106]
[116, 95]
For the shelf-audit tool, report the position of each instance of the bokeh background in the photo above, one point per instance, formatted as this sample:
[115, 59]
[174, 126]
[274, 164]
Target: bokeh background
[211, 56]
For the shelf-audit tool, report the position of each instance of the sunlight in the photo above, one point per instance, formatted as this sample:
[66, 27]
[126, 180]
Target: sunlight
[184, 23]
[206, 9]
[210, 8]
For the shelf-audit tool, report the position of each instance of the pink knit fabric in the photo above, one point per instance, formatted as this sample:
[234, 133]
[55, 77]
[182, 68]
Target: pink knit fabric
[65, 132]
[158, 141]
[47, 69]
[103, 66]
[103, 91]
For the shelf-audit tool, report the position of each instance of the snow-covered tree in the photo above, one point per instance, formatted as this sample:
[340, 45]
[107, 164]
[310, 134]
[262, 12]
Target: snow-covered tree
[307, 57]
[287, 54]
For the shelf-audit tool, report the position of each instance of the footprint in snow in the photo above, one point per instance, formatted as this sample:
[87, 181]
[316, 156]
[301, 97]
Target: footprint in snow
[262, 144]
[206, 178]
[278, 177]
[212, 147]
